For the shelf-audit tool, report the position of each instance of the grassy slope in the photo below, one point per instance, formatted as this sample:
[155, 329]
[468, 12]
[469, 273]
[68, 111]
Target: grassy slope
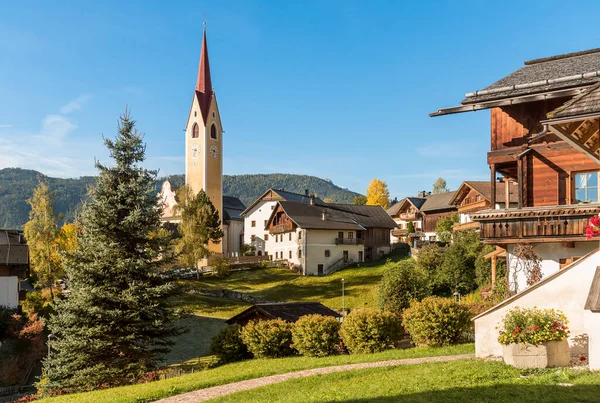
[277, 284]
[243, 370]
[458, 381]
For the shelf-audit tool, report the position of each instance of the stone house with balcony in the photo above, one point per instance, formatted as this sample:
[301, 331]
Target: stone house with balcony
[258, 213]
[545, 136]
[320, 239]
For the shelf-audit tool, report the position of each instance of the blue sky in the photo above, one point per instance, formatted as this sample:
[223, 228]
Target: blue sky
[335, 89]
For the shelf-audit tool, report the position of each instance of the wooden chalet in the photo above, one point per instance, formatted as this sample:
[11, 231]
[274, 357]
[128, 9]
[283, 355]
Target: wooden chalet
[474, 196]
[14, 267]
[288, 311]
[436, 207]
[544, 136]
[405, 211]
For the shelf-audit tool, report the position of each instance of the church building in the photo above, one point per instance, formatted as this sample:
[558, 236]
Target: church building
[204, 161]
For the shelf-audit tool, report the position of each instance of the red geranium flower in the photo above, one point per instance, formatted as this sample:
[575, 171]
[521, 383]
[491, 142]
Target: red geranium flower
[595, 221]
[582, 358]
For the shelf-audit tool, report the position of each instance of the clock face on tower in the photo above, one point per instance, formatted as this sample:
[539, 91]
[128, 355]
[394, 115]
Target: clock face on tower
[195, 151]
[214, 151]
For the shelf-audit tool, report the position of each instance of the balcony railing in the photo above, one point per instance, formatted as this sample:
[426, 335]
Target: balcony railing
[279, 228]
[349, 241]
[408, 216]
[552, 223]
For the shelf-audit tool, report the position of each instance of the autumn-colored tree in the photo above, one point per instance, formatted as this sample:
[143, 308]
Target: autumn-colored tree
[360, 200]
[41, 234]
[66, 242]
[439, 186]
[378, 194]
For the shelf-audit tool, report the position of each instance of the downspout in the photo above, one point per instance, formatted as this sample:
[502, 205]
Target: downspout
[305, 251]
[536, 136]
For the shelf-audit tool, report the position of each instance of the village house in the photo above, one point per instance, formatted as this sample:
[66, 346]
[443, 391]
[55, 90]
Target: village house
[258, 213]
[320, 239]
[544, 136]
[474, 196]
[424, 211]
[14, 267]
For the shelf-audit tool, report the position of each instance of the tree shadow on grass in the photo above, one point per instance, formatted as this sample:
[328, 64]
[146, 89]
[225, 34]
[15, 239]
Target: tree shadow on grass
[195, 342]
[508, 393]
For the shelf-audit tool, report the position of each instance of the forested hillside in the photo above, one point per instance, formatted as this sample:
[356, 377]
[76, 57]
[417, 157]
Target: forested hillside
[16, 186]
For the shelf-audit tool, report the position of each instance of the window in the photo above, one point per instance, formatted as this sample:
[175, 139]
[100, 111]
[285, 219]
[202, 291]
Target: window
[259, 253]
[290, 253]
[266, 222]
[350, 235]
[253, 224]
[299, 253]
[252, 238]
[214, 115]
[327, 253]
[359, 234]
[266, 237]
[468, 200]
[290, 236]
[273, 207]
[586, 187]
[300, 235]
[213, 132]
[276, 238]
[340, 235]
[195, 131]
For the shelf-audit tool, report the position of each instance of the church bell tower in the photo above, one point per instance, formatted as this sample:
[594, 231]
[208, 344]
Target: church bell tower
[204, 140]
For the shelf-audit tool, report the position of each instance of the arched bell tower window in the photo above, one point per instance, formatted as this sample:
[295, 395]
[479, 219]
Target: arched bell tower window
[195, 131]
[213, 132]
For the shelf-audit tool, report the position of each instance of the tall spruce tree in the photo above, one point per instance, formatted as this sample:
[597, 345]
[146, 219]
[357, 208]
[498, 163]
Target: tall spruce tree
[115, 324]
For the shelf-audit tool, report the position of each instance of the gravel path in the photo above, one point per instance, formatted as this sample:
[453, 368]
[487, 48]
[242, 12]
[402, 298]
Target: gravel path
[222, 390]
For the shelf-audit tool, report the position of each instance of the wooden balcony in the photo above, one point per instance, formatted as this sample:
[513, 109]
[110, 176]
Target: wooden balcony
[399, 232]
[407, 216]
[349, 241]
[281, 228]
[536, 224]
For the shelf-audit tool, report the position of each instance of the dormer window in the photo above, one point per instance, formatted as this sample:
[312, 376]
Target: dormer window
[195, 131]
[213, 132]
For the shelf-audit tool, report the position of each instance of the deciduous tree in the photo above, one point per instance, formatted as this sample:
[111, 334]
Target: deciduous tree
[360, 200]
[199, 226]
[439, 186]
[41, 234]
[378, 194]
[443, 227]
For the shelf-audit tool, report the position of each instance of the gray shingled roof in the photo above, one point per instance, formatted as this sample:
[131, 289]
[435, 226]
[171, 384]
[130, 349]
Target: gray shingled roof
[586, 103]
[561, 70]
[439, 201]
[283, 195]
[233, 208]
[288, 311]
[338, 216]
[415, 201]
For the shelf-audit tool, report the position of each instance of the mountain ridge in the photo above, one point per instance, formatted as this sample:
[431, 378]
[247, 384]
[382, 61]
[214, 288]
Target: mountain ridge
[17, 184]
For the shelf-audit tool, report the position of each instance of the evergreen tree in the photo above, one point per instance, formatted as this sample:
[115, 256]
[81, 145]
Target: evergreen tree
[410, 227]
[114, 324]
[41, 233]
[199, 226]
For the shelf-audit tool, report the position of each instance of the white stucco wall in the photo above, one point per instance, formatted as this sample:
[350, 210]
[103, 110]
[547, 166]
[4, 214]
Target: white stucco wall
[259, 214]
[550, 253]
[318, 241]
[567, 291]
[9, 291]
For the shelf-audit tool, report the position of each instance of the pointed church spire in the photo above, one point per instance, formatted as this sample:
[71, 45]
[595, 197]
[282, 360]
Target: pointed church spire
[204, 83]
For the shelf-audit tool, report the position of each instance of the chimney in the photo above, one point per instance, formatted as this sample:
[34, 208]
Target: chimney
[306, 192]
[324, 215]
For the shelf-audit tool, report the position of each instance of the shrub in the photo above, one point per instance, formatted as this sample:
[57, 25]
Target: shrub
[268, 338]
[370, 331]
[221, 267]
[228, 346]
[5, 319]
[436, 321]
[533, 326]
[402, 282]
[316, 335]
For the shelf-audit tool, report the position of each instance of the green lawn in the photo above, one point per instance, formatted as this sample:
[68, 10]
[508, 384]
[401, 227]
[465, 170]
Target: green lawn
[280, 284]
[457, 381]
[241, 371]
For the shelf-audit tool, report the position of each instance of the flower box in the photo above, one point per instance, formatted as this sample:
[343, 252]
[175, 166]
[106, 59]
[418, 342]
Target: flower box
[545, 355]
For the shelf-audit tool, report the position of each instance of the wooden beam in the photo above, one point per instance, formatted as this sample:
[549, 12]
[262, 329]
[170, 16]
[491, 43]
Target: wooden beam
[591, 131]
[493, 183]
[494, 259]
[580, 147]
[520, 180]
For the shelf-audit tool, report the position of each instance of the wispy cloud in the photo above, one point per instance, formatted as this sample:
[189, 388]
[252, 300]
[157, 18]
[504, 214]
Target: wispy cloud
[75, 104]
[55, 128]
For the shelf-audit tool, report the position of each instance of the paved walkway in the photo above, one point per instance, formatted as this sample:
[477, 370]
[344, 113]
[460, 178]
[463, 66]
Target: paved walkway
[222, 390]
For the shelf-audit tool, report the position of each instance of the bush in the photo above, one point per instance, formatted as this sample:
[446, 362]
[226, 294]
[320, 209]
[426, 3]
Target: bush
[228, 346]
[402, 282]
[316, 335]
[5, 319]
[221, 267]
[268, 338]
[436, 321]
[533, 326]
[370, 331]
